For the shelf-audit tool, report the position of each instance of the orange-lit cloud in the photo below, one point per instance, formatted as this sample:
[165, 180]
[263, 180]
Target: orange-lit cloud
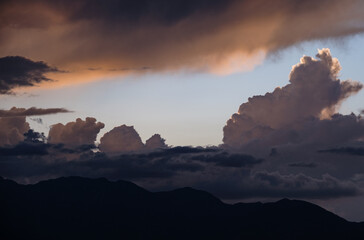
[90, 39]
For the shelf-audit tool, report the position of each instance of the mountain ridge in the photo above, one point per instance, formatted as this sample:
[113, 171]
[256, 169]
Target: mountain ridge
[78, 208]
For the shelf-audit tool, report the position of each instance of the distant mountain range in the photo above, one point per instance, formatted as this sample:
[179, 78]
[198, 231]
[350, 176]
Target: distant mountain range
[82, 208]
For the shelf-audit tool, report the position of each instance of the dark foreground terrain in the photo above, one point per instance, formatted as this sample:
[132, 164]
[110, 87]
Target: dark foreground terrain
[81, 208]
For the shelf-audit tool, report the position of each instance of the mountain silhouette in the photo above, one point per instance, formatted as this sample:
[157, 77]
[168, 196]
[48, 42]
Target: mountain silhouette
[82, 208]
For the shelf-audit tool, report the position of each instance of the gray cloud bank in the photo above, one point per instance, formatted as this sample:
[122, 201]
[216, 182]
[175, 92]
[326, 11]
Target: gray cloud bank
[226, 175]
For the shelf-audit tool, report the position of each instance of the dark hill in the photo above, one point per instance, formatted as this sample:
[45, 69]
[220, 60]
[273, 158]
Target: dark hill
[81, 208]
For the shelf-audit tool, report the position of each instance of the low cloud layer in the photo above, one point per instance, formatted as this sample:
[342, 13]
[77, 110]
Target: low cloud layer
[218, 36]
[304, 111]
[229, 176]
[16, 71]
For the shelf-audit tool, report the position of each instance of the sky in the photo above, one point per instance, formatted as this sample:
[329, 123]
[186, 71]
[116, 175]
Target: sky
[246, 99]
[165, 102]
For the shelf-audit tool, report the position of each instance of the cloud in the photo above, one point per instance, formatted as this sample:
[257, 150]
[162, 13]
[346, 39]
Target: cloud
[24, 149]
[303, 164]
[225, 159]
[80, 132]
[33, 111]
[155, 142]
[345, 150]
[13, 124]
[161, 170]
[124, 139]
[217, 36]
[12, 130]
[274, 184]
[121, 139]
[16, 71]
[301, 111]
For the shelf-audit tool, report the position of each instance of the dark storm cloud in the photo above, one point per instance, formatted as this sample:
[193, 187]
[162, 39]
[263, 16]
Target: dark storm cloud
[184, 150]
[126, 166]
[229, 176]
[164, 163]
[218, 36]
[345, 150]
[303, 164]
[16, 71]
[266, 184]
[33, 111]
[131, 11]
[24, 148]
[275, 184]
[225, 159]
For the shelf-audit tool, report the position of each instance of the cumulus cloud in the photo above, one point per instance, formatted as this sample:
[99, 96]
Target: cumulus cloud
[16, 71]
[121, 139]
[302, 111]
[218, 36]
[124, 139]
[155, 142]
[12, 130]
[80, 132]
[13, 124]
[33, 111]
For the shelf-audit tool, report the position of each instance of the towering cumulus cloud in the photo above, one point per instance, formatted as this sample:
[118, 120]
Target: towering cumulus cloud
[80, 132]
[308, 102]
[18, 71]
[220, 36]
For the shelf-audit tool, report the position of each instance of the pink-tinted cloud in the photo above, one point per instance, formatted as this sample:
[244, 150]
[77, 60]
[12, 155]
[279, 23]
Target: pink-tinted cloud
[12, 130]
[121, 139]
[292, 113]
[80, 132]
